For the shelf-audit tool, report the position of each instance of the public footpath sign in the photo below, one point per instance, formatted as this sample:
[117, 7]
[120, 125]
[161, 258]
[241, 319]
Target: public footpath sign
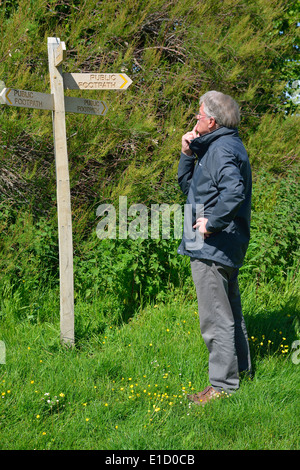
[36, 100]
[85, 106]
[59, 104]
[96, 81]
[27, 99]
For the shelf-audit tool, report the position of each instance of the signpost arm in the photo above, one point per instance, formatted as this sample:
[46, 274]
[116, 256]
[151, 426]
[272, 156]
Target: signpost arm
[63, 195]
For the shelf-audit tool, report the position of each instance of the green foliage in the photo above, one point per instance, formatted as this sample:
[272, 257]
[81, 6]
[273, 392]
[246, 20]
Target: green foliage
[275, 144]
[273, 253]
[117, 277]
[9, 6]
[125, 387]
[173, 52]
[290, 66]
[133, 272]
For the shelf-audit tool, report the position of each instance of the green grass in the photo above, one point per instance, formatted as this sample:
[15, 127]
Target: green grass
[124, 386]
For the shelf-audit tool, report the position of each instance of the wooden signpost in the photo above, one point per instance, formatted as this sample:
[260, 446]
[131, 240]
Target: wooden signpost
[59, 105]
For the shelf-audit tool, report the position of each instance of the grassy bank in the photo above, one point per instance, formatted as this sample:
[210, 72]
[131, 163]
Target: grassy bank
[124, 388]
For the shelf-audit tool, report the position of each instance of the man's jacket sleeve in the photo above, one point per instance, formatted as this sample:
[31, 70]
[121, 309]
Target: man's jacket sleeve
[231, 193]
[185, 171]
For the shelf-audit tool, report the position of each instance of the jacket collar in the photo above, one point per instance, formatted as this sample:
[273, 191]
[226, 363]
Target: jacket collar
[200, 145]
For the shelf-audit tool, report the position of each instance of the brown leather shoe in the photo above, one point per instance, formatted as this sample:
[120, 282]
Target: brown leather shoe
[203, 397]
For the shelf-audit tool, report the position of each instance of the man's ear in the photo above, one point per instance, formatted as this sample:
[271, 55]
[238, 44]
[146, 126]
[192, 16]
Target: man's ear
[212, 124]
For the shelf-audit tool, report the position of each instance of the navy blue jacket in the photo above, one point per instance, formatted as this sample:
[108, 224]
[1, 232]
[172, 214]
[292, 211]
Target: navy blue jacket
[220, 179]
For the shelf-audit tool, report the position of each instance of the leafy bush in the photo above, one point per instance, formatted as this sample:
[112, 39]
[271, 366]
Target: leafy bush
[131, 271]
[119, 275]
[273, 253]
[245, 49]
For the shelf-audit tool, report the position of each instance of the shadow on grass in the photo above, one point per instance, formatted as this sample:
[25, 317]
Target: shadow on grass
[273, 331]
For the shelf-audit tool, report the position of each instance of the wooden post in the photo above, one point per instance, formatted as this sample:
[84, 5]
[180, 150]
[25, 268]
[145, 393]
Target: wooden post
[55, 56]
[59, 104]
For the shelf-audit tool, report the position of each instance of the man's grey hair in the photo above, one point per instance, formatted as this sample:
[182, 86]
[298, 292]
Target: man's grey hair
[222, 107]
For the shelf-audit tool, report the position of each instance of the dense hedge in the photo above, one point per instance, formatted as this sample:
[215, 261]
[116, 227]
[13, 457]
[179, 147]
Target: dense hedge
[173, 52]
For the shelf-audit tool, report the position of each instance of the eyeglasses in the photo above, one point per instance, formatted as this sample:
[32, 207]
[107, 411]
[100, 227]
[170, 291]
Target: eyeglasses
[201, 116]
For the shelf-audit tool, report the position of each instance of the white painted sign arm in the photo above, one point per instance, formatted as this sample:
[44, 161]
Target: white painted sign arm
[96, 81]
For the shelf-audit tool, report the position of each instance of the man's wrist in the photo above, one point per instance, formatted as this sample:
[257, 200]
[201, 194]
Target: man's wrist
[188, 152]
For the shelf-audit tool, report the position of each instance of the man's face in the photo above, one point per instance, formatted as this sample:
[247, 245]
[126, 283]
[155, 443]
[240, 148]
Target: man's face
[205, 123]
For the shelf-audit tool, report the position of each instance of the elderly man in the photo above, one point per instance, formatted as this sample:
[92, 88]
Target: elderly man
[214, 172]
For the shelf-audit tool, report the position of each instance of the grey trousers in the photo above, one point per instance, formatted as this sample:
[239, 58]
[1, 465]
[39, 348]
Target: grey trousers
[221, 322]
